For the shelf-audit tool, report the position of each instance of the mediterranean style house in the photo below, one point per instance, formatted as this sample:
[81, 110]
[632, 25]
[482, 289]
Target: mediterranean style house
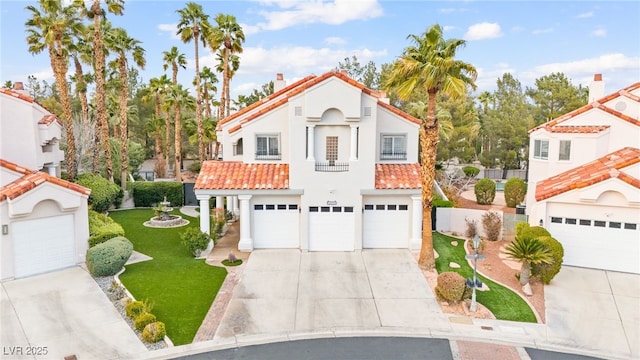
[324, 164]
[43, 218]
[584, 180]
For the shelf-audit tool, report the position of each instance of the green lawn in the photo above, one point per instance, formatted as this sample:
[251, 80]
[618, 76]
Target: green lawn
[181, 288]
[502, 302]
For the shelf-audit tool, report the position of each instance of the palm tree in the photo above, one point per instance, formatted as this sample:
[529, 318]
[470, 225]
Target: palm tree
[50, 27]
[177, 97]
[124, 45]
[194, 25]
[176, 60]
[230, 36]
[528, 251]
[209, 79]
[430, 65]
[156, 91]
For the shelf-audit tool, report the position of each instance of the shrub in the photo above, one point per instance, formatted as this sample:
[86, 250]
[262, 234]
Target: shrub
[470, 171]
[514, 192]
[104, 193]
[107, 258]
[442, 203]
[521, 226]
[195, 240]
[195, 167]
[485, 191]
[102, 228]
[472, 228]
[135, 308]
[451, 287]
[154, 332]
[142, 320]
[150, 193]
[116, 291]
[531, 231]
[546, 272]
[492, 224]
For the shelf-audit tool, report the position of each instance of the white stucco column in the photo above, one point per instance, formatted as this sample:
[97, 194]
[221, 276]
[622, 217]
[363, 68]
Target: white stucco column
[310, 143]
[219, 202]
[353, 154]
[229, 204]
[416, 223]
[246, 243]
[51, 169]
[205, 217]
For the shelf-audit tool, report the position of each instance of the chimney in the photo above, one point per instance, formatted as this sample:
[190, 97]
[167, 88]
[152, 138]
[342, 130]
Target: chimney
[596, 89]
[279, 84]
[18, 87]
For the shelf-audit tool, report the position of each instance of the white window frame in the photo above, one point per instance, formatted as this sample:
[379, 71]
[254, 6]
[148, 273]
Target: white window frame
[566, 156]
[271, 153]
[539, 149]
[397, 152]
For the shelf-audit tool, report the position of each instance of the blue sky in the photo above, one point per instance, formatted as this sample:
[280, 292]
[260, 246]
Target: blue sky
[526, 39]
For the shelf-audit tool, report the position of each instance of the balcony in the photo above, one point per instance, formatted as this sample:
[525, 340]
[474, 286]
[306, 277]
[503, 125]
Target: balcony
[272, 156]
[332, 166]
[393, 156]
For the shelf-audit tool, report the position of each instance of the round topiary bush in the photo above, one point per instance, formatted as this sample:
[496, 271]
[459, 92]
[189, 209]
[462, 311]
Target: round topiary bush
[451, 287]
[135, 308]
[470, 171]
[485, 191]
[546, 272]
[107, 258]
[514, 192]
[154, 332]
[142, 320]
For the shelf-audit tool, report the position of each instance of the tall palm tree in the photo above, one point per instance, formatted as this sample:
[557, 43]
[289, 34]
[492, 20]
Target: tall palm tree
[430, 65]
[229, 35]
[124, 46]
[194, 25]
[176, 60]
[528, 251]
[208, 79]
[177, 97]
[157, 89]
[50, 28]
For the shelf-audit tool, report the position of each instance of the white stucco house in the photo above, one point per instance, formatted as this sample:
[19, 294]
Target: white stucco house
[584, 180]
[43, 218]
[323, 164]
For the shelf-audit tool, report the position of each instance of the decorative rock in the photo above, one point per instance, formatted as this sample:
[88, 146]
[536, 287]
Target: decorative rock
[454, 243]
[435, 254]
[526, 289]
[454, 265]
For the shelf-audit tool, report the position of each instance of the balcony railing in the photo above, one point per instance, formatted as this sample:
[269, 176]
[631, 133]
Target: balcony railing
[332, 166]
[277, 156]
[393, 156]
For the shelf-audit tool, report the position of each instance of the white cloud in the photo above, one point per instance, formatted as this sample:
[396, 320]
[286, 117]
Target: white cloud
[599, 32]
[600, 64]
[542, 31]
[335, 40]
[334, 13]
[585, 15]
[46, 75]
[483, 31]
[448, 28]
[171, 29]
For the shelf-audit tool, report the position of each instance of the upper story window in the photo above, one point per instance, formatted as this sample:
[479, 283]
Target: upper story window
[268, 147]
[393, 147]
[237, 147]
[332, 149]
[565, 150]
[541, 149]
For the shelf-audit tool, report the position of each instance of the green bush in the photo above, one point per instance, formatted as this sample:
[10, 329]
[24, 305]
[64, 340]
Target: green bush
[154, 332]
[102, 228]
[470, 171]
[104, 193]
[135, 308]
[546, 272]
[195, 240]
[451, 287]
[142, 320]
[492, 225]
[485, 190]
[531, 231]
[442, 203]
[150, 193]
[195, 167]
[514, 192]
[108, 258]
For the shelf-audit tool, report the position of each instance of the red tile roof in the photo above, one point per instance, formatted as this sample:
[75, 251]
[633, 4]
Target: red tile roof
[49, 119]
[601, 169]
[30, 180]
[397, 176]
[215, 175]
[578, 129]
[598, 104]
[16, 94]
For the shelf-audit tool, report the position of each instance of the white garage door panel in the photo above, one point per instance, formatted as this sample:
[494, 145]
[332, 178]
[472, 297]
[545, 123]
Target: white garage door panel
[332, 229]
[43, 245]
[386, 226]
[276, 226]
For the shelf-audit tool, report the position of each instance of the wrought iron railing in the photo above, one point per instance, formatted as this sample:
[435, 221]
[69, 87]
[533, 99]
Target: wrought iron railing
[268, 156]
[393, 156]
[332, 166]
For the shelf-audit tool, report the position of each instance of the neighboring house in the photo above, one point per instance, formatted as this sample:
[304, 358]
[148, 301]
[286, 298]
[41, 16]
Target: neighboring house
[44, 219]
[323, 164]
[584, 180]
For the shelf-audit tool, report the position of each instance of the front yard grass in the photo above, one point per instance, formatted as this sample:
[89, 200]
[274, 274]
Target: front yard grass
[501, 301]
[180, 288]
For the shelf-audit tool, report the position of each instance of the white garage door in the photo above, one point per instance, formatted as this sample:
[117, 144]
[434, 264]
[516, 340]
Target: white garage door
[276, 226]
[601, 244]
[385, 226]
[331, 228]
[43, 245]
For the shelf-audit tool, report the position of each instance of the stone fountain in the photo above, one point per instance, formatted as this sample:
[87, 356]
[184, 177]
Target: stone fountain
[164, 219]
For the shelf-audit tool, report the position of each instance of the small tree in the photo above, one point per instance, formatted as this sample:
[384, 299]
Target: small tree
[195, 240]
[514, 192]
[527, 251]
[470, 171]
[485, 191]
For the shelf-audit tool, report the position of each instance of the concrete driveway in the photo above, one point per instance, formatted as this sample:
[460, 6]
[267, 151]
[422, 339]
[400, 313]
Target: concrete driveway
[60, 314]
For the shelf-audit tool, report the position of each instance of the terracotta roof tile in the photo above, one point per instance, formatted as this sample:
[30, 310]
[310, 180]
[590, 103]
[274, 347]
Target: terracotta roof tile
[397, 176]
[217, 175]
[30, 180]
[591, 173]
[49, 119]
[578, 129]
[18, 95]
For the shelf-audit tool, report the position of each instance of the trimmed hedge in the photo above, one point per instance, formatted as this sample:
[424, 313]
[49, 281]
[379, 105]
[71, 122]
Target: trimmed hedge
[150, 193]
[108, 258]
[514, 192]
[485, 190]
[102, 228]
[442, 203]
[104, 193]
